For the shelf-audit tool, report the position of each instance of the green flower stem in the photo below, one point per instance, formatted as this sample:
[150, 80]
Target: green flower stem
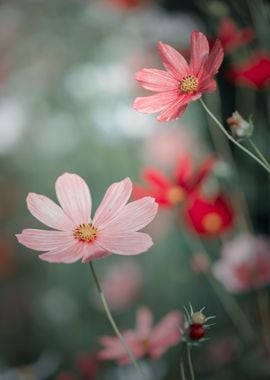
[192, 375]
[182, 367]
[113, 324]
[258, 152]
[263, 306]
[223, 129]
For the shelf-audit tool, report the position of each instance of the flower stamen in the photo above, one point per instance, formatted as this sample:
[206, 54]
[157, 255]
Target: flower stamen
[189, 83]
[85, 232]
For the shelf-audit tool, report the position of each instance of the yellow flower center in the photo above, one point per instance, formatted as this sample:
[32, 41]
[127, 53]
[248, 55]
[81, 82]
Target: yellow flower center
[85, 232]
[175, 195]
[189, 83]
[212, 222]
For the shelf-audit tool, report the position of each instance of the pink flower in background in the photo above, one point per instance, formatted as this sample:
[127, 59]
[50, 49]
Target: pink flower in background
[113, 229]
[166, 145]
[181, 83]
[245, 263]
[219, 352]
[231, 37]
[121, 284]
[145, 340]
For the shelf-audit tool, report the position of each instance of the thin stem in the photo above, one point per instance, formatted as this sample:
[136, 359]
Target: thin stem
[182, 367]
[259, 153]
[223, 148]
[233, 309]
[223, 129]
[263, 306]
[113, 324]
[190, 363]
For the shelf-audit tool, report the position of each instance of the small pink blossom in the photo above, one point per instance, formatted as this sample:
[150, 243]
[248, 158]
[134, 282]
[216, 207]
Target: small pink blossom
[245, 264]
[121, 284]
[181, 83]
[144, 340]
[113, 228]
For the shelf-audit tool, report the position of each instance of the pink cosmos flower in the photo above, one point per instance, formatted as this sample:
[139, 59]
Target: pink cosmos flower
[181, 83]
[145, 340]
[113, 229]
[245, 264]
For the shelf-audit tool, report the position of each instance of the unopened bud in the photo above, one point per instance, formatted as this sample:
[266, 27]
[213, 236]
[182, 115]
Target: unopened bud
[240, 127]
[198, 318]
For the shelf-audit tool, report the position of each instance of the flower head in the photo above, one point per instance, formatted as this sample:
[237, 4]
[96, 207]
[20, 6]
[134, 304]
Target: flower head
[209, 216]
[253, 73]
[244, 264]
[181, 83]
[240, 127]
[113, 228]
[145, 340]
[169, 192]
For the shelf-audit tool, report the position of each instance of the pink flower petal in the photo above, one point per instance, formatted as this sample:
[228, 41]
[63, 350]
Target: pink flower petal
[132, 243]
[144, 320]
[170, 322]
[113, 201]
[214, 60]
[42, 240]
[67, 254]
[133, 217]
[173, 61]
[165, 334]
[74, 197]
[48, 212]
[207, 83]
[156, 80]
[93, 251]
[199, 51]
[172, 112]
[156, 178]
[155, 103]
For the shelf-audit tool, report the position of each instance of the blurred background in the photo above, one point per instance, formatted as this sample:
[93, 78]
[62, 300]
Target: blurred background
[67, 84]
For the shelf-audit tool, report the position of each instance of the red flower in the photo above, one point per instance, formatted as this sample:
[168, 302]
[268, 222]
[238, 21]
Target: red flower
[88, 365]
[231, 37]
[169, 192]
[127, 4]
[253, 73]
[209, 217]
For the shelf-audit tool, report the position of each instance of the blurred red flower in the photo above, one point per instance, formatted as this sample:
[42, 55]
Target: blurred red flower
[127, 4]
[231, 37]
[169, 192]
[209, 216]
[88, 365]
[253, 73]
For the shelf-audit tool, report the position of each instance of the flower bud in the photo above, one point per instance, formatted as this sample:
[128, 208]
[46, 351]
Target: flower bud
[240, 127]
[198, 318]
